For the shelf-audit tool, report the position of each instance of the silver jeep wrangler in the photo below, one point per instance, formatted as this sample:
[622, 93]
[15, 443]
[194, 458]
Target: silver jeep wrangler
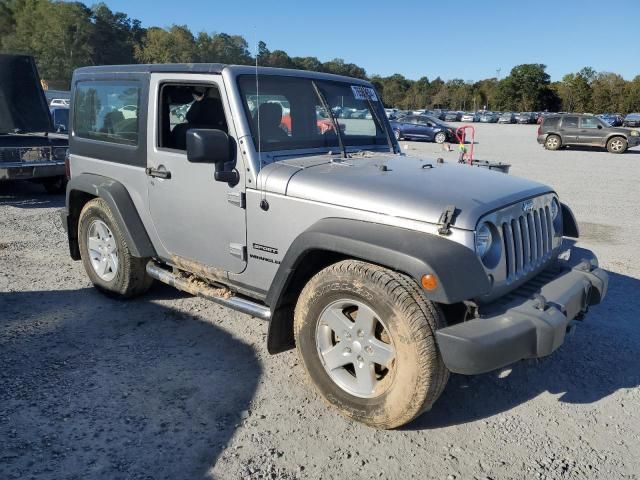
[283, 194]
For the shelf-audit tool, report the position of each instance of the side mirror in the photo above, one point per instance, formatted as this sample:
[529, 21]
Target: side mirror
[212, 146]
[207, 146]
[599, 127]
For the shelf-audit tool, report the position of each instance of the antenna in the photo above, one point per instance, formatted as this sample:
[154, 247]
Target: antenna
[264, 204]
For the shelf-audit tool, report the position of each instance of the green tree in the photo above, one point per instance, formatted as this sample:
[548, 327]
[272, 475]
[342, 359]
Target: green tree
[223, 48]
[575, 90]
[393, 89]
[632, 96]
[57, 34]
[526, 88]
[175, 45]
[307, 63]
[608, 92]
[113, 37]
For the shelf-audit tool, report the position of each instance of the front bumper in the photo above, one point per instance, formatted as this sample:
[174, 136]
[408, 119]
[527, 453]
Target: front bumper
[633, 141]
[529, 322]
[29, 170]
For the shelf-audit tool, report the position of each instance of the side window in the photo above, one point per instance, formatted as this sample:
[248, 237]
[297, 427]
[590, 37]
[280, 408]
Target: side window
[551, 122]
[107, 111]
[570, 122]
[186, 106]
[589, 122]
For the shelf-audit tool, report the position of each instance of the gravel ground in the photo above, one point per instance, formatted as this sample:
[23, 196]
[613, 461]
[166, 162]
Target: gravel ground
[170, 386]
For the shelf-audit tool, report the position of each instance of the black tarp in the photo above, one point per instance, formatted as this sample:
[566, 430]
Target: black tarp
[23, 107]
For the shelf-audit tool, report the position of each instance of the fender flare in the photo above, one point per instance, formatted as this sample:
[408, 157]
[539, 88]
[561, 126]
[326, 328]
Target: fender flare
[569, 223]
[459, 271]
[120, 203]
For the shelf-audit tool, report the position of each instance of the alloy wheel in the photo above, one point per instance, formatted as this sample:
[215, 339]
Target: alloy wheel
[355, 348]
[103, 250]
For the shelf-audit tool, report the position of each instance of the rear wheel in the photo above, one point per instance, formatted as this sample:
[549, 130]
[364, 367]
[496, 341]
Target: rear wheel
[105, 253]
[366, 337]
[553, 142]
[440, 137]
[617, 145]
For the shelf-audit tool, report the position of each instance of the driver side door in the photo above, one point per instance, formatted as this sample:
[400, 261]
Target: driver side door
[197, 218]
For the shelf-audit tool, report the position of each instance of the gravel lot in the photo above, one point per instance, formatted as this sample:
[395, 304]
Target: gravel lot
[170, 386]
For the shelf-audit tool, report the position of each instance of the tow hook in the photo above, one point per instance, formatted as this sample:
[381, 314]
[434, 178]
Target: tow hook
[541, 302]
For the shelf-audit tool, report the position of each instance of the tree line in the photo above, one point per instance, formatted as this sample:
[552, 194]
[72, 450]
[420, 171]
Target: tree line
[63, 36]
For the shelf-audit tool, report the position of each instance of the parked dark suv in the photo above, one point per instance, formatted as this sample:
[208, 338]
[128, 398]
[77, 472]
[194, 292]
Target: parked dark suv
[558, 131]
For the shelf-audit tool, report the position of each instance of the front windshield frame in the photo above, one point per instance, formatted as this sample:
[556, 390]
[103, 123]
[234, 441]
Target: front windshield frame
[326, 140]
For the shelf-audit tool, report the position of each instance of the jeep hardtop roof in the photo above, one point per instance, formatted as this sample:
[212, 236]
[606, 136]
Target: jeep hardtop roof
[215, 68]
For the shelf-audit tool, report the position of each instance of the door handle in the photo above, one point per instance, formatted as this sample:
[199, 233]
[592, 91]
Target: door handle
[158, 173]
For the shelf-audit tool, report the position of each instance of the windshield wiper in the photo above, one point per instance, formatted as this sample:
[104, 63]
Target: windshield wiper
[382, 126]
[336, 127]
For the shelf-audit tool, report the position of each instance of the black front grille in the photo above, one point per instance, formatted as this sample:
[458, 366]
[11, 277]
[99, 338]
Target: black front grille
[527, 241]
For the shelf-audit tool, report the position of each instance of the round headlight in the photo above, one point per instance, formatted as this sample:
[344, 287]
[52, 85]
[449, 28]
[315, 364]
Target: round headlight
[483, 240]
[635, 133]
[555, 209]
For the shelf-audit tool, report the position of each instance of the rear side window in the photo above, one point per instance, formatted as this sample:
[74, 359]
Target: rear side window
[551, 122]
[570, 122]
[107, 111]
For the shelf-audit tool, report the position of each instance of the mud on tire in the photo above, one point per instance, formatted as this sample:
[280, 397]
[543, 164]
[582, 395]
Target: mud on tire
[417, 375]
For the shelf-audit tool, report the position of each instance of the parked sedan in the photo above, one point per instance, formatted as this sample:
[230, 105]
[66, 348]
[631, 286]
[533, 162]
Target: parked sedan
[525, 118]
[632, 120]
[471, 117]
[489, 117]
[507, 117]
[422, 127]
[612, 119]
[452, 116]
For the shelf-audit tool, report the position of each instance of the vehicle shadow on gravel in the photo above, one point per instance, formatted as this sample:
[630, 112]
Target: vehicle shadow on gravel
[574, 148]
[595, 362]
[23, 194]
[97, 388]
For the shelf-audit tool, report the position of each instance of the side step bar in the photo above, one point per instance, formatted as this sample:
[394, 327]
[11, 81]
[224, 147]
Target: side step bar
[218, 295]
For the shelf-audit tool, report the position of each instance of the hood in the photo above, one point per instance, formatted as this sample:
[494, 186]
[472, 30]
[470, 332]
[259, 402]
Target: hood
[23, 107]
[399, 186]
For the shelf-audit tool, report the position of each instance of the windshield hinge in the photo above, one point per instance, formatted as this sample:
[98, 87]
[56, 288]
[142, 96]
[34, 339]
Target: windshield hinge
[447, 218]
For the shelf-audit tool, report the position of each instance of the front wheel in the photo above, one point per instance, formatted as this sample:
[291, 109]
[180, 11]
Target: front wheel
[365, 335]
[617, 145]
[440, 137]
[397, 134]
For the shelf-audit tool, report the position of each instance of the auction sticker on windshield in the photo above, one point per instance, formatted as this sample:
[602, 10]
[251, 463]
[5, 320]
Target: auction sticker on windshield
[362, 93]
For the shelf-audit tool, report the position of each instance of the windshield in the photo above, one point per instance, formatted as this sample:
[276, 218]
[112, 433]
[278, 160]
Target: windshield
[291, 115]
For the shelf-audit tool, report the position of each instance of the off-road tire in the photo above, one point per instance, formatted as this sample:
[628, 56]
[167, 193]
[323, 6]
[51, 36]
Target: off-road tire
[55, 185]
[617, 145]
[131, 278]
[553, 142]
[419, 372]
[440, 137]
